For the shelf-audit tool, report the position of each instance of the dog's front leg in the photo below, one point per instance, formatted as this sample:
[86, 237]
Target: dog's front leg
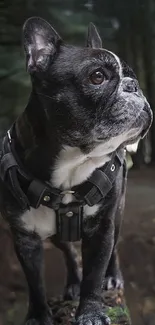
[97, 247]
[72, 288]
[29, 251]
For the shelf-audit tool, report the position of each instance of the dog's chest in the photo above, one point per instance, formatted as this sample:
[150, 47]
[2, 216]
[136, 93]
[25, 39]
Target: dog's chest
[72, 168]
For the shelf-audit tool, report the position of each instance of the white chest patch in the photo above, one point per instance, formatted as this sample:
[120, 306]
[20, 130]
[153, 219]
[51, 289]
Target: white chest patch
[41, 220]
[72, 168]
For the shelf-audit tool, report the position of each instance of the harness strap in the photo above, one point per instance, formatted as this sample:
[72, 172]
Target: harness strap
[7, 162]
[9, 170]
[37, 192]
[99, 183]
[40, 193]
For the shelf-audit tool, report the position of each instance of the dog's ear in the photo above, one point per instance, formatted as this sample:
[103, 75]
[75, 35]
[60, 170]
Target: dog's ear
[41, 42]
[93, 38]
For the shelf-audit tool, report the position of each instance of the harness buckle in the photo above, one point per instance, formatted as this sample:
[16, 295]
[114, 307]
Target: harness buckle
[40, 193]
[67, 192]
[69, 221]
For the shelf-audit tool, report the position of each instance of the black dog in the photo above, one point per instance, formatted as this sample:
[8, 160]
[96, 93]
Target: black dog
[62, 164]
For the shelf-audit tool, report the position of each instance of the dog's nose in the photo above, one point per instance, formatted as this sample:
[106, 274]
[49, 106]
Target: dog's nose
[129, 85]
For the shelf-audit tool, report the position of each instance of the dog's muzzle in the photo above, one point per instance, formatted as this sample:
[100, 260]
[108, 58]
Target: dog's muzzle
[129, 85]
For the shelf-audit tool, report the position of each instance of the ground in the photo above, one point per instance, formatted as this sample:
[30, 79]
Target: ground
[64, 311]
[137, 257]
[137, 246]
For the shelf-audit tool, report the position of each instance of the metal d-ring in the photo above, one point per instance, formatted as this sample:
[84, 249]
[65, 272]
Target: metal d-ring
[9, 136]
[112, 167]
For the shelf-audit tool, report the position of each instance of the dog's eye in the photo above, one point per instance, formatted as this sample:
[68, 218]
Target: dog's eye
[97, 78]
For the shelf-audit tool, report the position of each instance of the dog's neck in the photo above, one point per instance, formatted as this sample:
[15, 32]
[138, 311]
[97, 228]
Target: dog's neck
[36, 146]
[46, 156]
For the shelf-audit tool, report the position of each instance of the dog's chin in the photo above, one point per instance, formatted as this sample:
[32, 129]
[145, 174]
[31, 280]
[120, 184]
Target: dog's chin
[135, 139]
[132, 140]
[132, 136]
[129, 142]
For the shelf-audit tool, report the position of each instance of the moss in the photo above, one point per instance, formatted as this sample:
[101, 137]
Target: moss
[119, 315]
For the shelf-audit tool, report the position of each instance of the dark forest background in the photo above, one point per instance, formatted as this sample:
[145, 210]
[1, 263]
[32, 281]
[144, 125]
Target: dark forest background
[127, 27]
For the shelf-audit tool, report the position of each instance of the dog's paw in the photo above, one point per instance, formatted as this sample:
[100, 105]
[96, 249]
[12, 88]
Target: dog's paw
[72, 291]
[114, 283]
[96, 318]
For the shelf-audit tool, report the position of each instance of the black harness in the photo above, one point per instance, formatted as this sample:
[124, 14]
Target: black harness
[31, 192]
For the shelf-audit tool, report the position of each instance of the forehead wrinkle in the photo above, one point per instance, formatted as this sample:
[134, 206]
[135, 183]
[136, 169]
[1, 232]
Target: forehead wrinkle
[80, 62]
[97, 58]
[118, 62]
[87, 63]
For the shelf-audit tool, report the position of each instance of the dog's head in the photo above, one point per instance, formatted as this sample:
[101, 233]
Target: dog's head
[87, 93]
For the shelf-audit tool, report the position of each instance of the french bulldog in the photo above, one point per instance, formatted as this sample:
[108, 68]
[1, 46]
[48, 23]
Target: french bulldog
[85, 105]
